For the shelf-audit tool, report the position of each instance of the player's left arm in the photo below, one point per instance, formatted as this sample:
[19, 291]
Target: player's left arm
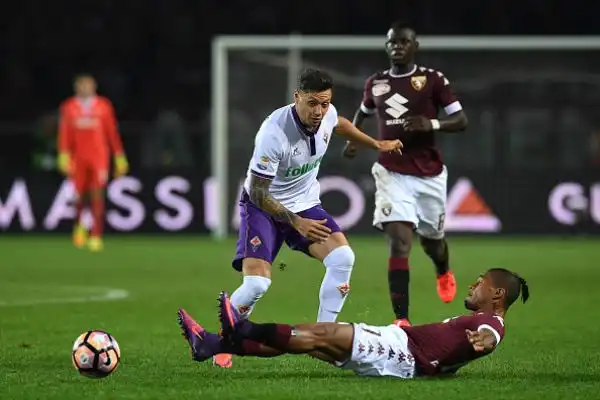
[488, 334]
[114, 139]
[456, 119]
[483, 340]
[443, 96]
[348, 130]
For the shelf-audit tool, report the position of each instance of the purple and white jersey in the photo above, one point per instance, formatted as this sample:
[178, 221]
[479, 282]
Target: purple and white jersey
[289, 154]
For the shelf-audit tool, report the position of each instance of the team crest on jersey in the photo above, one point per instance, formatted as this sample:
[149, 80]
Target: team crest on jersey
[380, 89]
[326, 138]
[418, 82]
[255, 242]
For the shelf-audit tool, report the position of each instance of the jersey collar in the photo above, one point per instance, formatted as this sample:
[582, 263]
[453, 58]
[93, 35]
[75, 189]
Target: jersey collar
[301, 126]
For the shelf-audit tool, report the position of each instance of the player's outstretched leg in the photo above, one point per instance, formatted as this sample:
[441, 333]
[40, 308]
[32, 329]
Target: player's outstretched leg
[327, 341]
[437, 250]
[203, 345]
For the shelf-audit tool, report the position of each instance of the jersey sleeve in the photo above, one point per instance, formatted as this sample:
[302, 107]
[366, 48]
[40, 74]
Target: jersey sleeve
[492, 323]
[443, 94]
[268, 151]
[112, 130]
[367, 105]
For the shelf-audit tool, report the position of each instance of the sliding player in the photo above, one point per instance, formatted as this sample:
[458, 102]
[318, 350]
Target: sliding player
[407, 352]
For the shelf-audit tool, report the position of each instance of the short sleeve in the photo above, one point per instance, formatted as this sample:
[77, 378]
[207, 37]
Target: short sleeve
[268, 151]
[443, 94]
[367, 105]
[492, 323]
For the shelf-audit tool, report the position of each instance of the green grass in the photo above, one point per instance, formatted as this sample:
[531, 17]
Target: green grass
[551, 349]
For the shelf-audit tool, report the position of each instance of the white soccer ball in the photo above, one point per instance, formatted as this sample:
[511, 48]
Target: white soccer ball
[96, 354]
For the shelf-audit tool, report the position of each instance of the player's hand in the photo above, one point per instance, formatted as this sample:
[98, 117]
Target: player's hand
[64, 163]
[121, 166]
[350, 150]
[391, 146]
[482, 341]
[417, 123]
[313, 229]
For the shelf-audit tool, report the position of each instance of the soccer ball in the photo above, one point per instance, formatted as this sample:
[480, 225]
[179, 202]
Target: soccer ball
[96, 354]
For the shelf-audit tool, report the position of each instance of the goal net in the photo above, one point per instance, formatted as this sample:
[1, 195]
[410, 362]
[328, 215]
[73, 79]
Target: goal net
[516, 90]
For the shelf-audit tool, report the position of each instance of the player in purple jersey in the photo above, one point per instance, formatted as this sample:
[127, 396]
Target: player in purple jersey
[402, 352]
[281, 201]
[410, 188]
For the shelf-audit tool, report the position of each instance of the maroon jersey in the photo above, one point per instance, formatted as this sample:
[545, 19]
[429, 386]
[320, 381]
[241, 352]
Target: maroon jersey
[443, 347]
[423, 91]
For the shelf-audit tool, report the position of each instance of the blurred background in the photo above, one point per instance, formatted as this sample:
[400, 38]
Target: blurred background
[528, 163]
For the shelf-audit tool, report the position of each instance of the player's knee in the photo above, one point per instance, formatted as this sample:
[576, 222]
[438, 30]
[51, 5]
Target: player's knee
[257, 285]
[341, 258]
[400, 236]
[400, 246]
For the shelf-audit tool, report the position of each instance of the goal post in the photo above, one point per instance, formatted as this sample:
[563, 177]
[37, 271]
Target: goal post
[294, 46]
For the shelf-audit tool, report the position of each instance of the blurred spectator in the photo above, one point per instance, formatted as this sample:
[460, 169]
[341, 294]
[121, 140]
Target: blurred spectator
[168, 144]
[44, 139]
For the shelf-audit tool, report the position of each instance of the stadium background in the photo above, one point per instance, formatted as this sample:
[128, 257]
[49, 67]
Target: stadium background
[532, 120]
[531, 153]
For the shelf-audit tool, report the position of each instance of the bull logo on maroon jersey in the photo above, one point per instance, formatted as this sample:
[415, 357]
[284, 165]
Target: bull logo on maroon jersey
[418, 82]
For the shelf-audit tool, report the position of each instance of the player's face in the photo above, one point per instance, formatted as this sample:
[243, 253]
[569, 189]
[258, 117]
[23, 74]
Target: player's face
[480, 293]
[85, 86]
[401, 45]
[312, 106]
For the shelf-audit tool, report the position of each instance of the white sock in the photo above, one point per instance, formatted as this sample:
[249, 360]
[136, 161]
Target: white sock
[251, 290]
[336, 283]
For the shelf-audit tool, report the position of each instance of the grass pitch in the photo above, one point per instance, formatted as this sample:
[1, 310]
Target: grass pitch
[50, 292]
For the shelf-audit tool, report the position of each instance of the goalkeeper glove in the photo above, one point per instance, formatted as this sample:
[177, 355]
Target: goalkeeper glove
[64, 163]
[121, 165]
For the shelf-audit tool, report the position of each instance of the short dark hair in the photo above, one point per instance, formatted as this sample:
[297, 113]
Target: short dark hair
[83, 75]
[314, 80]
[399, 25]
[512, 283]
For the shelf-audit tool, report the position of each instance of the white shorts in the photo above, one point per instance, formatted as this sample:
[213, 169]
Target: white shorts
[380, 351]
[406, 198]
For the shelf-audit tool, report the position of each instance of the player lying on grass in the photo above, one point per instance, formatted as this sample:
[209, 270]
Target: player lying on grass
[403, 352]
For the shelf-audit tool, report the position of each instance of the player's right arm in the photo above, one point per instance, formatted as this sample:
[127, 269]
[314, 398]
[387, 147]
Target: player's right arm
[268, 152]
[367, 108]
[65, 140]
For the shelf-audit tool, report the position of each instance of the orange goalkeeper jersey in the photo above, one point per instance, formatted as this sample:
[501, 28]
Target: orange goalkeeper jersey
[88, 130]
